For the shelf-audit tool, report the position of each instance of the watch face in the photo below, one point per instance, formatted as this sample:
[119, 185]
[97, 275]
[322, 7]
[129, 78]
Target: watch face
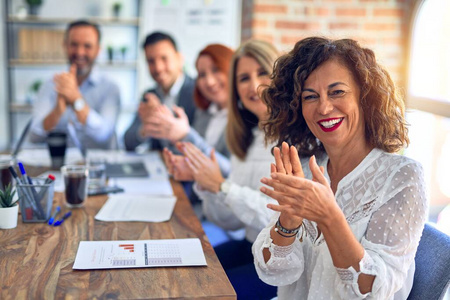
[225, 187]
[78, 105]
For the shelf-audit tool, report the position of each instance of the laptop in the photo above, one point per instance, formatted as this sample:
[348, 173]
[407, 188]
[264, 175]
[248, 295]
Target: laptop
[21, 139]
[126, 169]
[113, 170]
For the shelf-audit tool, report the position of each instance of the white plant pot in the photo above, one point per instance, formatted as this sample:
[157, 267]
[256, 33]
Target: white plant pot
[8, 217]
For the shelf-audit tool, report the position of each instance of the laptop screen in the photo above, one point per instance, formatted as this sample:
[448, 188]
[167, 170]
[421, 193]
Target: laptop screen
[22, 138]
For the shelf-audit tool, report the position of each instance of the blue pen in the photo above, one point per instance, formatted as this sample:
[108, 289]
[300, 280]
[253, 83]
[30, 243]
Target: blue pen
[27, 196]
[27, 180]
[60, 221]
[55, 213]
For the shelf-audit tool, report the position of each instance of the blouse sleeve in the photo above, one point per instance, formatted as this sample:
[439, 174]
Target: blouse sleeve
[286, 263]
[241, 206]
[392, 237]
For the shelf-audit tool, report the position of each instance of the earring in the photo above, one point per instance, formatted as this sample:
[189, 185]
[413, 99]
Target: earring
[240, 105]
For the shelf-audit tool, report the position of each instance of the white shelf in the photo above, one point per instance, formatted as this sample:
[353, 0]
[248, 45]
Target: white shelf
[39, 63]
[21, 108]
[98, 20]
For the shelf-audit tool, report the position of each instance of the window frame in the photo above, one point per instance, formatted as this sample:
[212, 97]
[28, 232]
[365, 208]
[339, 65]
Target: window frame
[421, 103]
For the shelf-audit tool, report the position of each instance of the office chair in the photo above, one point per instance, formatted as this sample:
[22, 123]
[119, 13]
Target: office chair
[432, 275]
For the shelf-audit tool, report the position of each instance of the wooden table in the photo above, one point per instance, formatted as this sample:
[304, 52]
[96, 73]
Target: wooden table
[36, 259]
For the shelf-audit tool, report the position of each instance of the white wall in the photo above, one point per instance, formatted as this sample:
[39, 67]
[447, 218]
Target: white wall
[193, 24]
[4, 123]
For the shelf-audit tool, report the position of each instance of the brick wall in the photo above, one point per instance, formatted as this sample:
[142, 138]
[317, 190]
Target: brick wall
[381, 25]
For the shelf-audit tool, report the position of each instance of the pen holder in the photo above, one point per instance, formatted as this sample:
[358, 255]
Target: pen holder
[35, 200]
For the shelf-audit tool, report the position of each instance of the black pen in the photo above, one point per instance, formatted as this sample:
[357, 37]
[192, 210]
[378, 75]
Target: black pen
[48, 180]
[60, 221]
[27, 196]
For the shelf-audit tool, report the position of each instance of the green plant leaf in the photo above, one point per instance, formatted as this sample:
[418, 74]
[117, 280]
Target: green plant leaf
[7, 196]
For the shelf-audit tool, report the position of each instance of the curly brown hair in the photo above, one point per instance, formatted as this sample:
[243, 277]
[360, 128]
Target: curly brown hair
[385, 125]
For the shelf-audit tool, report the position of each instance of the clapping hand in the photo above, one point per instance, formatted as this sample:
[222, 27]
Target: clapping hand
[177, 166]
[287, 162]
[163, 124]
[297, 196]
[205, 170]
[66, 85]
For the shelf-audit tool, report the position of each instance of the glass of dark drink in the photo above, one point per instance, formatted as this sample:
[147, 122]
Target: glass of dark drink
[56, 141]
[76, 184]
[5, 174]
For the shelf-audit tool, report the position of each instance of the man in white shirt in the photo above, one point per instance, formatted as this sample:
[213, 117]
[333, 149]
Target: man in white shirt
[174, 87]
[82, 96]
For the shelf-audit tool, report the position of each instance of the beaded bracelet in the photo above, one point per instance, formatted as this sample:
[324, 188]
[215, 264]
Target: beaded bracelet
[284, 235]
[287, 232]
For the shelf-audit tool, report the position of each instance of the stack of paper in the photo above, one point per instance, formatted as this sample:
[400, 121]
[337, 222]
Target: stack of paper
[144, 208]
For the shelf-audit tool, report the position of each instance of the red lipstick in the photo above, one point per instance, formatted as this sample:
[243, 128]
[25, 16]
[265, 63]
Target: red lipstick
[332, 128]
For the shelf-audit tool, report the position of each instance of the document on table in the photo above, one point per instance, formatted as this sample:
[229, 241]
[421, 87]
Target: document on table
[139, 254]
[41, 157]
[143, 208]
[147, 186]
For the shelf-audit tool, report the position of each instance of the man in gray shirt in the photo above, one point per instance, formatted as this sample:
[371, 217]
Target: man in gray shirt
[174, 87]
[82, 97]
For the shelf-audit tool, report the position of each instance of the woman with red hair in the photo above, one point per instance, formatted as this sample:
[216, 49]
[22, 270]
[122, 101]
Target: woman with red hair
[211, 95]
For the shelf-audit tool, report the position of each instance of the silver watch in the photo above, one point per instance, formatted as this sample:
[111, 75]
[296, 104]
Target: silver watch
[225, 187]
[79, 104]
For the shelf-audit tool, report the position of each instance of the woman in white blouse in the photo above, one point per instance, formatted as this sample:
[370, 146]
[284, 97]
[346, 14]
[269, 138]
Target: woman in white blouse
[237, 202]
[350, 228]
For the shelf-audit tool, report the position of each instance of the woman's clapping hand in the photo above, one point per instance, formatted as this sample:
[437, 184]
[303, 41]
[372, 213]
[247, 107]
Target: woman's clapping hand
[297, 196]
[177, 166]
[205, 170]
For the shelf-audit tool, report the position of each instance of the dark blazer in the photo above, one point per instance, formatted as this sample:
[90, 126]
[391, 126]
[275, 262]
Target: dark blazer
[185, 100]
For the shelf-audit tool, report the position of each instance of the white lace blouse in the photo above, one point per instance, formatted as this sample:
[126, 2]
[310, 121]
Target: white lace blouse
[244, 206]
[385, 203]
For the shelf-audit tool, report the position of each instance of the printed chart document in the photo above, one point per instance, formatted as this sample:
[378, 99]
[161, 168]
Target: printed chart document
[139, 254]
[144, 208]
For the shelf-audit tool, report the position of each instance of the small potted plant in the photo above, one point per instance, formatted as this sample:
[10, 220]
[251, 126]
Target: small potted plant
[110, 54]
[33, 6]
[123, 50]
[9, 209]
[33, 91]
[117, 7]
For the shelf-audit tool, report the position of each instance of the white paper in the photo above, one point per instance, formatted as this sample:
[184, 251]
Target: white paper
[144, 208]
[147, 186]
[41, 157]
[139, 254]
